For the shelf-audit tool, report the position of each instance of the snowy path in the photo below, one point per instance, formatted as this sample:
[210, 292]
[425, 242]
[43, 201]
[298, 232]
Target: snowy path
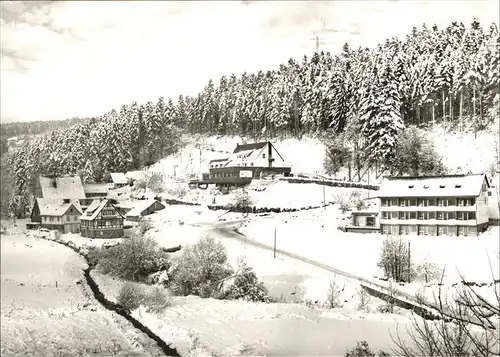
[225, 229]
[48, 310]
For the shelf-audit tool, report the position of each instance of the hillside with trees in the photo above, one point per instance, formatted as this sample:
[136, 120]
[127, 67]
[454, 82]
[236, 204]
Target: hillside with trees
[361, 99]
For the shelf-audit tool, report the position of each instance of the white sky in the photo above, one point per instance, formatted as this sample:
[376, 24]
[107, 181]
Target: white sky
[86, 58]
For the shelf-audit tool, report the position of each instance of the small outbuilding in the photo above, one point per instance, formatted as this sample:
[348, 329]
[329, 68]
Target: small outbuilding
[142, 209]
[364, 221]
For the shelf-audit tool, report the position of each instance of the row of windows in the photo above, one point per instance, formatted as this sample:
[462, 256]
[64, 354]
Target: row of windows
[59, 219]
[425, 230]
[108, 223]
[425, 202]
[429, 215]
[220, 165]
[108, 211]
[223, 174]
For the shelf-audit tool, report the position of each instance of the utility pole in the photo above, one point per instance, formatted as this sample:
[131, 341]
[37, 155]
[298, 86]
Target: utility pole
[324, 198]
[317, 39]
[274, 251]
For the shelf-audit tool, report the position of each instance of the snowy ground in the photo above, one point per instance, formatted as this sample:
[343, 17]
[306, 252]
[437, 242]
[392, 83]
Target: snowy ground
[314, 235]
[234, 328]
[45, 313]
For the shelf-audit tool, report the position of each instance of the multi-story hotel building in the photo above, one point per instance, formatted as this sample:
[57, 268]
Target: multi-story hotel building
[440, 205]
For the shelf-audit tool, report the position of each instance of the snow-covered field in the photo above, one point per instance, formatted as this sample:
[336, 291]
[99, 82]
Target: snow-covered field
[235, 328]
[46, 313]
[314, 235]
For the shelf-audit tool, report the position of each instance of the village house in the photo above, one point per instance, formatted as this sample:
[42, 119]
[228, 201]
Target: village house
[453, 205]
[117, 180]
[143, 208]
[255, 160]
[101, 220]
[56, 214]
[53, 194]
[63, 187]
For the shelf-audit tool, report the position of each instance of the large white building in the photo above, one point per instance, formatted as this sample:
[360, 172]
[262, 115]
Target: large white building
[438, 205]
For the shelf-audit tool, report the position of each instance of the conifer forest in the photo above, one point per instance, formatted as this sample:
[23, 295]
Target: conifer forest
[434, 75]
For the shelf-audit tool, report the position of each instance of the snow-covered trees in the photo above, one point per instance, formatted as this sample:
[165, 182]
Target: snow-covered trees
[415, 154]
[449, 75]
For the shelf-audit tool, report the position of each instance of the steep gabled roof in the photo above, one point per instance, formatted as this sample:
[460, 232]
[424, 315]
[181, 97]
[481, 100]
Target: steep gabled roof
[56, 207]
[141, 206]
[95, 207]
[218, 160]
[119, 178]
[253, 146]
[62, 187]
[433, 186]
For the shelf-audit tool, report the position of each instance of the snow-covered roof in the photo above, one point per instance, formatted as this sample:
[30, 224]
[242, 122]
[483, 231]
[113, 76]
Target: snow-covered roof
[95, 188]
[367, 211]
[218, 160]
[119, 178]
[93, 210]
[141, 206]
[135, 175]
[62, 187]
[56, 207]
[433, 186]
[250, 147]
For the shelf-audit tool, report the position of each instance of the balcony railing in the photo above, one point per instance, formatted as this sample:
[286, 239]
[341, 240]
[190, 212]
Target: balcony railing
[429, 208]
[430, 222]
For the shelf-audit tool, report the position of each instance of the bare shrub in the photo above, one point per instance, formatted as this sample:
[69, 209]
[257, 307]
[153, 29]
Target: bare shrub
[145, 225]
[157, 300]
[241, 199]
[152, 181]
[333, 297]
[362, 349]
[342, 200]
[134, 259]
[395, 259]
[428, 272]
[201, 269]
[467, 326]
[130, 296]
[364, 300]
[245, 285]
[177, 190]
[388, 306]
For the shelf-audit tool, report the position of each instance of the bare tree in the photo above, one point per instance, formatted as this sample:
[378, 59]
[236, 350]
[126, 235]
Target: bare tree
[466, 326]
[395, 259]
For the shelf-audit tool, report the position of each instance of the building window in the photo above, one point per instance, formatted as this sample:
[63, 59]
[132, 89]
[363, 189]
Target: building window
[404, 229]
[51, 219]
[442, 230]
[385, 229]
[75, 218]
[426, 215]
[263, 156]
[370, 221]
[464, 216]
